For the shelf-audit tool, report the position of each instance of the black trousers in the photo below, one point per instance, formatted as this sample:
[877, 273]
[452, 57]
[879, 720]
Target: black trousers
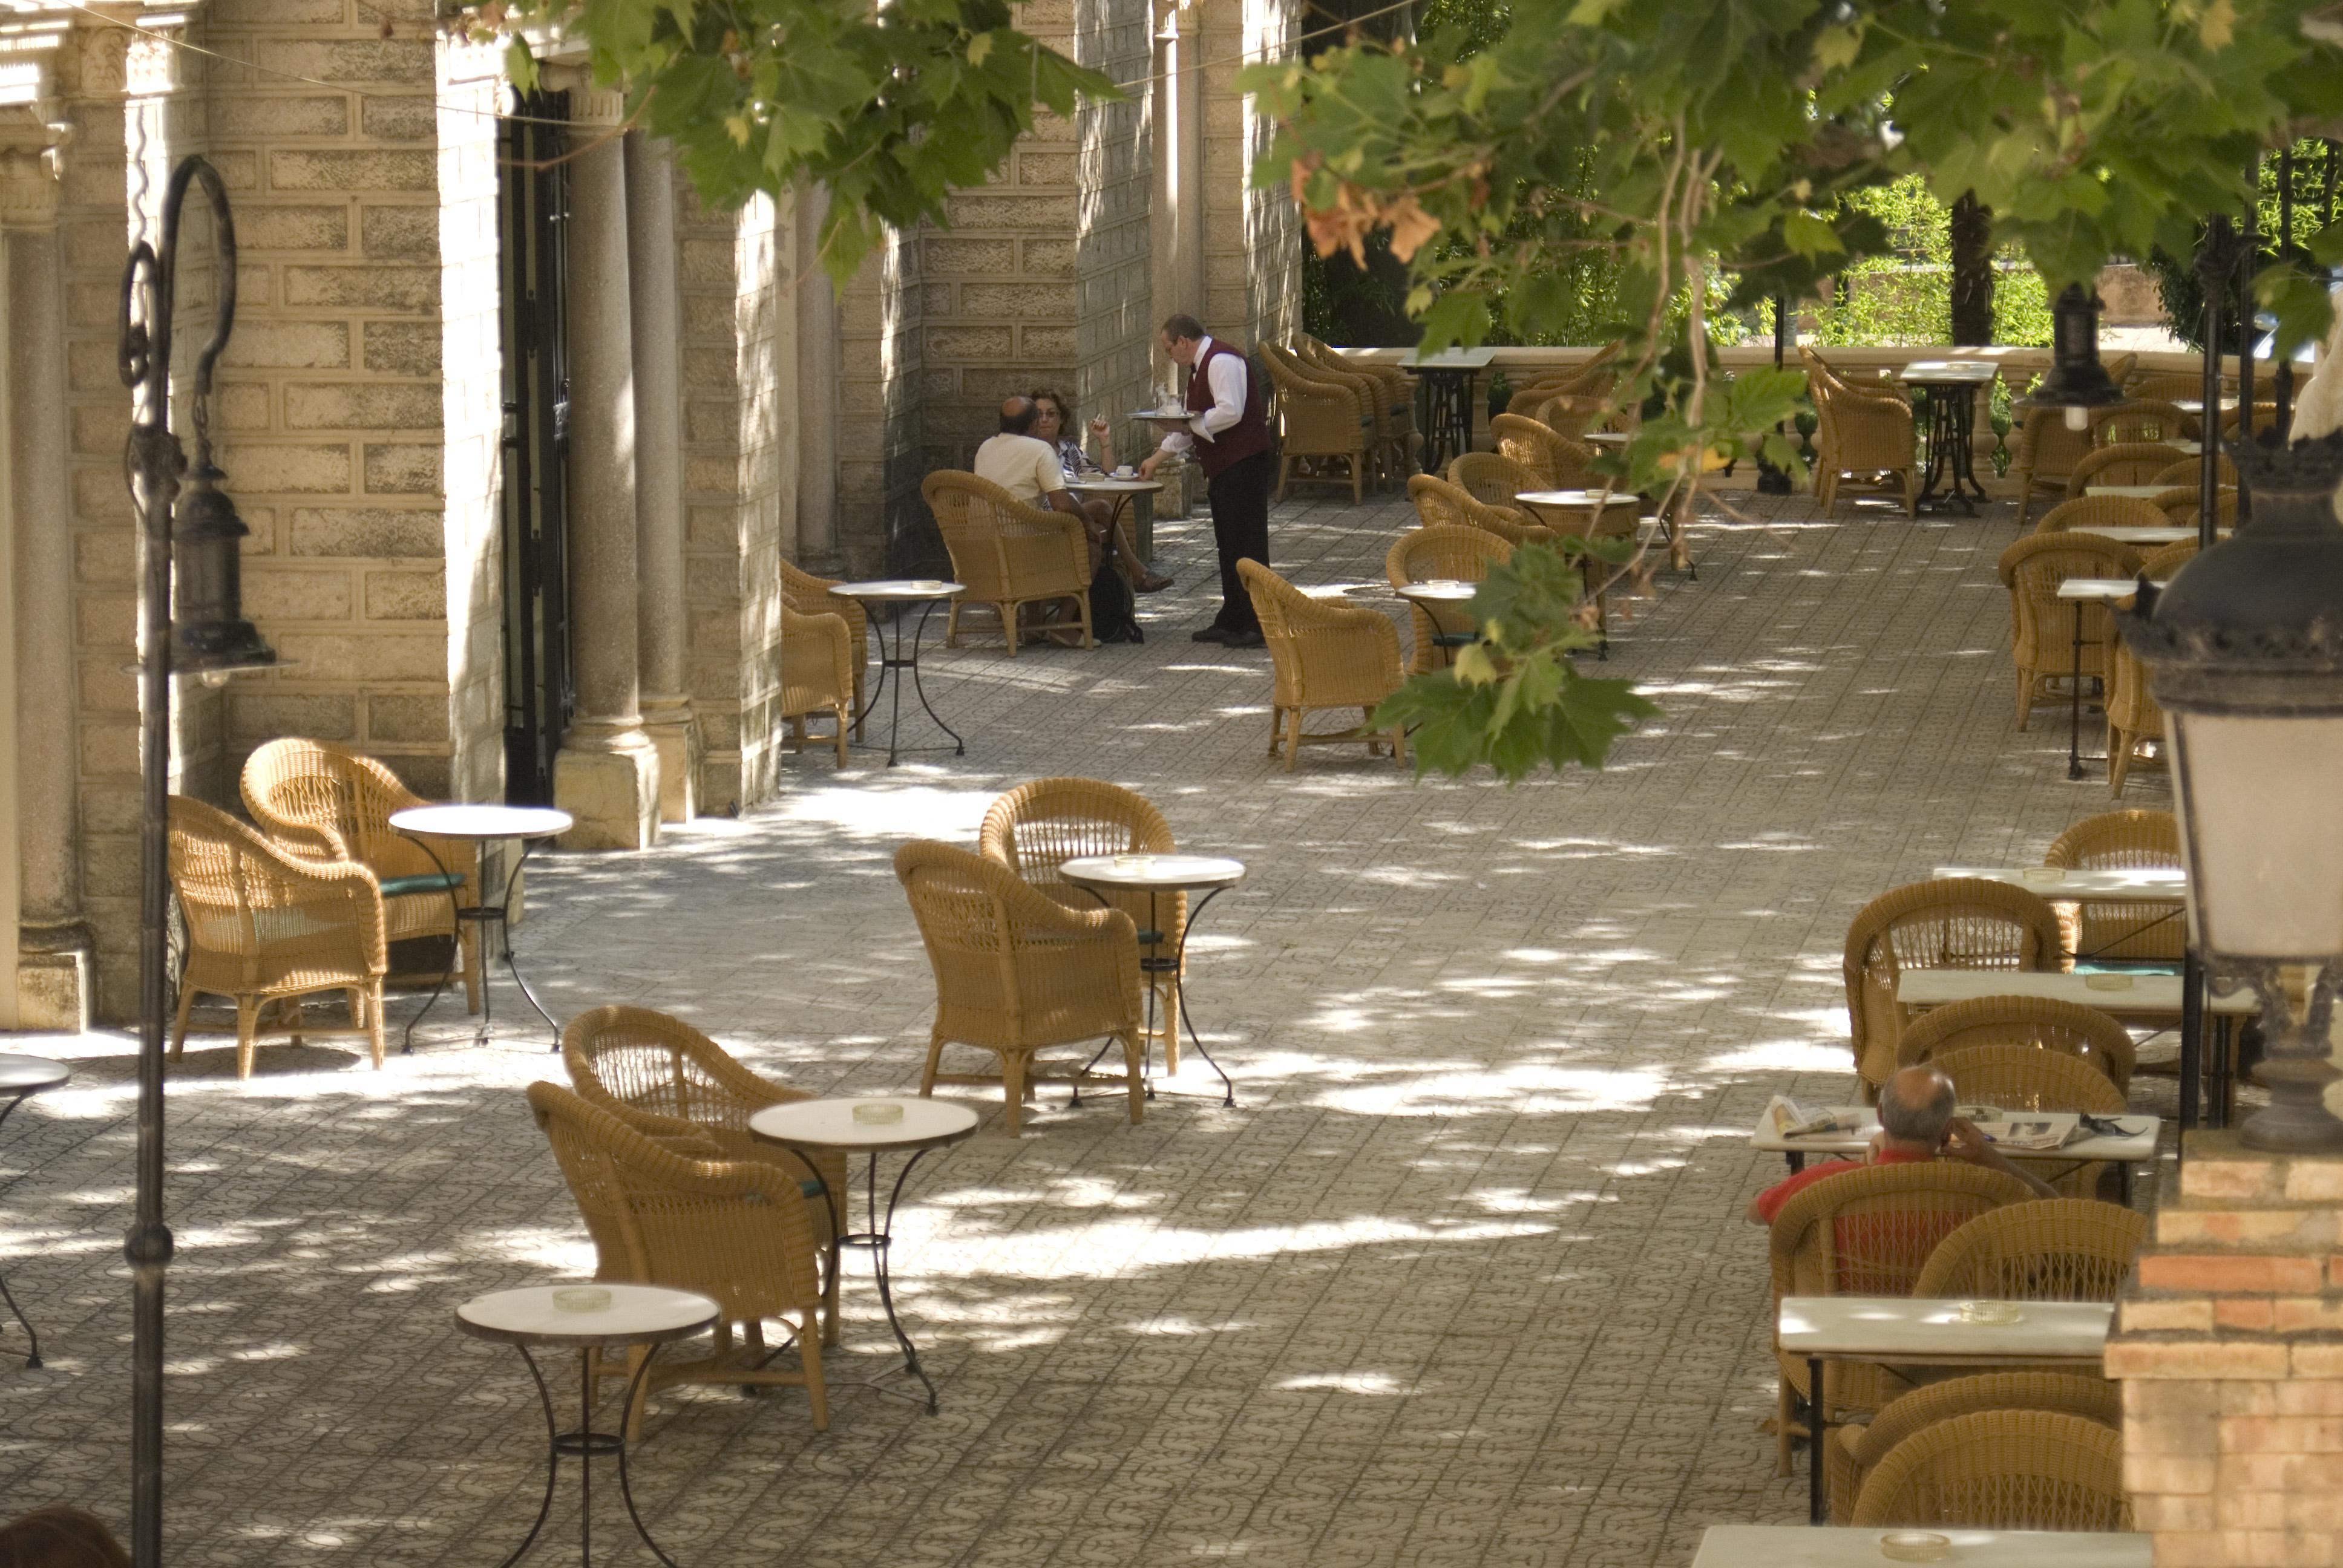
[1240, 498]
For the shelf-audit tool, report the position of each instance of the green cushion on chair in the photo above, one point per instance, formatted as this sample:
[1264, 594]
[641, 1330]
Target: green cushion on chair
[813, 1188]
[424, 882]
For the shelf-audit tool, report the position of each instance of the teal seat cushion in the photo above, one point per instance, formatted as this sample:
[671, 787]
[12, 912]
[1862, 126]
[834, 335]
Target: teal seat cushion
[813, 1188]
[424, 882]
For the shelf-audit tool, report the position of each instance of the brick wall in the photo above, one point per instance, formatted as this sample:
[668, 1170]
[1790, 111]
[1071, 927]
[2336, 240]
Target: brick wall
[738, 373]
[2230, 1351]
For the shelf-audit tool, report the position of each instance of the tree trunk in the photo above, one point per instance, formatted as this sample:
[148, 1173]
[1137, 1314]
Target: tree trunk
[1972, 277]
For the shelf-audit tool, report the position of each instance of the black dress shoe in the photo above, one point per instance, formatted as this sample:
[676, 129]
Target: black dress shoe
[1211, 634]
[1242, 639]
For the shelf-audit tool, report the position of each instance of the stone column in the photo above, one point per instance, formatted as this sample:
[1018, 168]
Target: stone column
[606, 775]
[52, 941]
[658, 324]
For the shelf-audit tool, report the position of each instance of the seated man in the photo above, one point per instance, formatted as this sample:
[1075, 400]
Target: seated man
[1915, 1123]
[1027, 467]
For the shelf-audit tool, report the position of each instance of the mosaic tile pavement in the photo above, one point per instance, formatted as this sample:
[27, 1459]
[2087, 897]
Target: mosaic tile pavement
[1462, 1280]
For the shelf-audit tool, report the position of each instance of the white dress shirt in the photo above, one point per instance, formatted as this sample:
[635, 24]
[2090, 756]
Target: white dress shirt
[1227, 376]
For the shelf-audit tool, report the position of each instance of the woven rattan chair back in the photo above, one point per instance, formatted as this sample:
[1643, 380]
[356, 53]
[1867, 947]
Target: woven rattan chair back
[2042, 628]
[2086, 513]
[1009, 554]
[2121, 841]
[2128, 463]
[2037, 1023]
[2189, 473]
[1324, 656]
[2172, 388]
[1571, 416]
[2001, 1470]
[1857, 1449]
[266, 925]
[1439, 503]
[1862, 433]
[1558, 462]
[1321, 420]
[1017, 972]
[2029, 1078]
[1868, 1231]
[2158, 564]
[738, 1231]
[2050, 1250]
[809, 595]
[2046, 454]
[1429, 554]
[2183, 504]
[1953, 922]
[818, 675]
[1490, 479]
[2141, 422]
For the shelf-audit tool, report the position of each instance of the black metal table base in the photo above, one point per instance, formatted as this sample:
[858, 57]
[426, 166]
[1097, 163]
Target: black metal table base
[484, 916]
[1952, 447]
[33, 1356]
[1176, 967]
[890, 660]
[2075, 702]
[1445, 398]
[878, 1240]
[586, 1445]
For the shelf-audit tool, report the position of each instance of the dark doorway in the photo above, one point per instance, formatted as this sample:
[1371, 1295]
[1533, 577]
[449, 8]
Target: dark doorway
[532, 224]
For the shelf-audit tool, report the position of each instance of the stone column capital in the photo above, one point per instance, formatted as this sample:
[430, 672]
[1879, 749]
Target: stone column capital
[590, 105]
[28, 187]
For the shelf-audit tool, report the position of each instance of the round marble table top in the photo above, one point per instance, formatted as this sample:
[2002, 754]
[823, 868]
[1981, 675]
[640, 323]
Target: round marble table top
[637, 1314]
[1159, 873]
[1118, 485]
[831, 1124]
[910, 590]
[1438, 590]
[463, 820]
[22, 1075]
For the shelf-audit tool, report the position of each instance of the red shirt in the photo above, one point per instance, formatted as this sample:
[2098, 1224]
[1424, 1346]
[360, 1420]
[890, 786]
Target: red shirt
[1770, 1202]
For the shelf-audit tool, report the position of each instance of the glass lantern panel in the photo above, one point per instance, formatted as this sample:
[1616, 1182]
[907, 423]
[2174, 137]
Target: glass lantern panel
[2262, 810]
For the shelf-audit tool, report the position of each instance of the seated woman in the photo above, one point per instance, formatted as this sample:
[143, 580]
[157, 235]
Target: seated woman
[1055, 423]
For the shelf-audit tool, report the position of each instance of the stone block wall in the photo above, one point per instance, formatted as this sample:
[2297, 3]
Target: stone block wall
[1114, 324]
[883, 527]
[739, 375]
[1253, 239]
[2230, 1351]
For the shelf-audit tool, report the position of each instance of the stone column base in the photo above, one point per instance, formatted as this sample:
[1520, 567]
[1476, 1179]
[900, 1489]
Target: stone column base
[675, 736]
[606, 776]
[53, 985]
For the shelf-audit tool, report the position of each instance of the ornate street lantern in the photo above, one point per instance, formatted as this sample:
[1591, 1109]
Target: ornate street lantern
[2244, 654]
[2076, 378]
[212, 639]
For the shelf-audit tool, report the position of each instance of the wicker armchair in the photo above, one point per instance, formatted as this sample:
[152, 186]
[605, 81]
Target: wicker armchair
[1439, 504]
[1555, 461]
[1036, 828]
[2189, 473]
[1324, 656]
[326, 802]
[1571, 416]
[1421, 554]
[1863, 435]
[1954, 922]
[1491, 477]
[2051, 1250]
[1009, 554]
[1854, 1450]
[809, 595]
[666, 1081]
[2265, 418]
[2134, 720]
[2183, 504]
[817, 674]
[1017, 972]
[2037, 1023]
[2001, 1470]
[2025, 1078]
[2136, 423]
[2046, 454]
[1868, 1231]
[736, 1230]
[265, 926]
[2118, 841]
[2173, 387]
[2130, 463]
[2042, 636]
[2086, 514]
[1393, 399]
[2158, 564]
[1320, 422]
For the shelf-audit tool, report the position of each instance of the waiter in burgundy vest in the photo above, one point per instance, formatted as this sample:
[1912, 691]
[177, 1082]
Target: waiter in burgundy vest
[1228, 429]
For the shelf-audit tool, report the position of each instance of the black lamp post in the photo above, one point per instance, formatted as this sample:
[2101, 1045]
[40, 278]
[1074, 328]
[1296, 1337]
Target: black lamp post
[2076, 378]
[212, 639]
[2244, 654]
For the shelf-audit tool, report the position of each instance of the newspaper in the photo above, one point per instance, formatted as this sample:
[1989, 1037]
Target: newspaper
[2034, 1131]
[1787, 1119]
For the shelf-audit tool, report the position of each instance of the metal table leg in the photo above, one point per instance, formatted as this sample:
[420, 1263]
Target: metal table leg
[1180, 990]
[893, 660]
[2075, 703]
[1818, 1428]
[32, 1357]
[879, 1240]
[483, 916]
[586, 1445]
[2192, 1036]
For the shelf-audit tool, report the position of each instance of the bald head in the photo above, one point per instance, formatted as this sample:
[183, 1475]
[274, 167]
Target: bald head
[1017, 415]
[1915, 1105]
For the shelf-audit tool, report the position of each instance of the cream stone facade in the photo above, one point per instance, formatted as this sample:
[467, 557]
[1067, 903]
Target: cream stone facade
[720, 407]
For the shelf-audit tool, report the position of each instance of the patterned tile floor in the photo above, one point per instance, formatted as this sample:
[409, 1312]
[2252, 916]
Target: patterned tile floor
[1462, 1279]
